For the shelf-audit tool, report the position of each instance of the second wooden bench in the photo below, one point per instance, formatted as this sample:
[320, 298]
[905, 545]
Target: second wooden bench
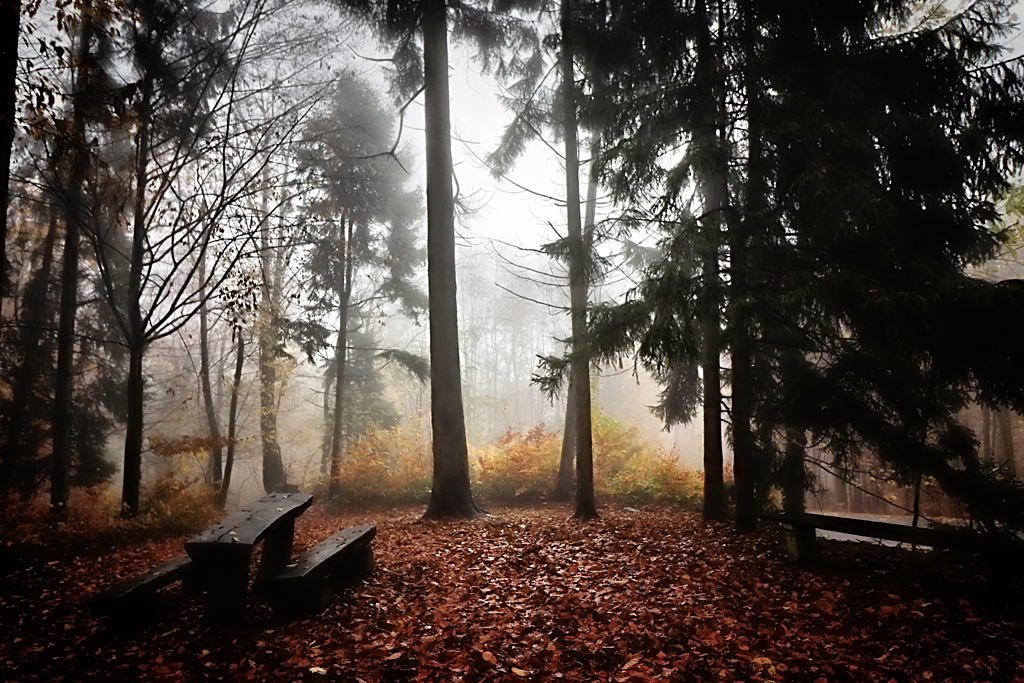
[308, 583]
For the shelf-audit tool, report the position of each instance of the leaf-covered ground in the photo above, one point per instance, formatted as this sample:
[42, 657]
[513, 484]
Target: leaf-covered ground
[527, 595]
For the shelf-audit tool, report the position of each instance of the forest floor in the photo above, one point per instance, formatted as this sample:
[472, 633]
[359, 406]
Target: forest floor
[526, 594]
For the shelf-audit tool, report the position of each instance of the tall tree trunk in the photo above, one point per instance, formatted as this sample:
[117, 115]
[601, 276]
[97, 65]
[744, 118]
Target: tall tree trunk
[742, 391]
[340, 360]
[274, 477]
[10, 28]
[63, 410]
[709, 143]
[268, 329]
[18, 456]
[586, 505]
[450, 494]
[229, 460]
[136, 332]
[216, 463]
[565, 483]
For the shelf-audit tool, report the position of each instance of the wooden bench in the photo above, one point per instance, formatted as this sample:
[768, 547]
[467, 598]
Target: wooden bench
[801, 526]
[308, 583]
[223, 552]
[137, 596]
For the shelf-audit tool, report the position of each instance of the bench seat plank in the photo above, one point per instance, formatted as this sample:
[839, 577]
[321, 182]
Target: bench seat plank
[123, 595]
[305, 585]
[900, 533]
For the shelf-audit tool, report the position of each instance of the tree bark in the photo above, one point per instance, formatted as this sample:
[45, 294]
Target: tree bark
[586, 505]
[987, 450]
[565, 481]
[450, 494]
[742, 392]
[10, 21]
[340, 360]
[708, 143]
[136, 330]
[216, 463]
[274, 477]
[229, 460]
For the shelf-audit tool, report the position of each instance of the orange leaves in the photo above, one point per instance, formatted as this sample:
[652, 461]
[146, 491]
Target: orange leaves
[527, 595]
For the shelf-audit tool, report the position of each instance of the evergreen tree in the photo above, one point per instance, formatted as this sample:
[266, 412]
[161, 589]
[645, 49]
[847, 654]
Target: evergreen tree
[869, 154]
[362, 221]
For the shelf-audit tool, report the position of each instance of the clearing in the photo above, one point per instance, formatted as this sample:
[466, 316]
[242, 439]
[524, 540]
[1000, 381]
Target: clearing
[525, 594]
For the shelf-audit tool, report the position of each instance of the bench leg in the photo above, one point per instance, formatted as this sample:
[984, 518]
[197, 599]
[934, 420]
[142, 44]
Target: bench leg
[801, 541]
[277, 549]
[227, 586]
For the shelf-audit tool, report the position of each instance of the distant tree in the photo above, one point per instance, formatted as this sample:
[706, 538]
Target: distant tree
[362, 219]
[538, 107]
[184, 103]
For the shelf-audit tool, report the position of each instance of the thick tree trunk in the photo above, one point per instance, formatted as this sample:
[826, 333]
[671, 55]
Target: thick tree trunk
[450, 494]
[10, 28]
[742, 390]
[217, 454]
[712, 177]
[340, 361]
[586, 505]
[17, 466]
[274, 477]
[229, 460]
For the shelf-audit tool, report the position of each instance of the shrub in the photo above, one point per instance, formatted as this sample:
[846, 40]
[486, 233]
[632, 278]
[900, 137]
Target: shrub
[631, 470]
[175, 506]
[386, 466]
[519, 467]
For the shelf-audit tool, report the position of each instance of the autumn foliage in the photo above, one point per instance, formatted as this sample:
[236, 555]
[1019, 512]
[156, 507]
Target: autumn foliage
[527, 595]
[389, 466]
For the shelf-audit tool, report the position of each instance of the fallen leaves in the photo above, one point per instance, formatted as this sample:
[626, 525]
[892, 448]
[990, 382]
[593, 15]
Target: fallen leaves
[528, 595]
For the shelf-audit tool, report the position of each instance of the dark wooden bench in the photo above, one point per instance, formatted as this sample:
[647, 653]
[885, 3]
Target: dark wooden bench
[223, 552]
[308, 583]
[137, 596]
[801, 526]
